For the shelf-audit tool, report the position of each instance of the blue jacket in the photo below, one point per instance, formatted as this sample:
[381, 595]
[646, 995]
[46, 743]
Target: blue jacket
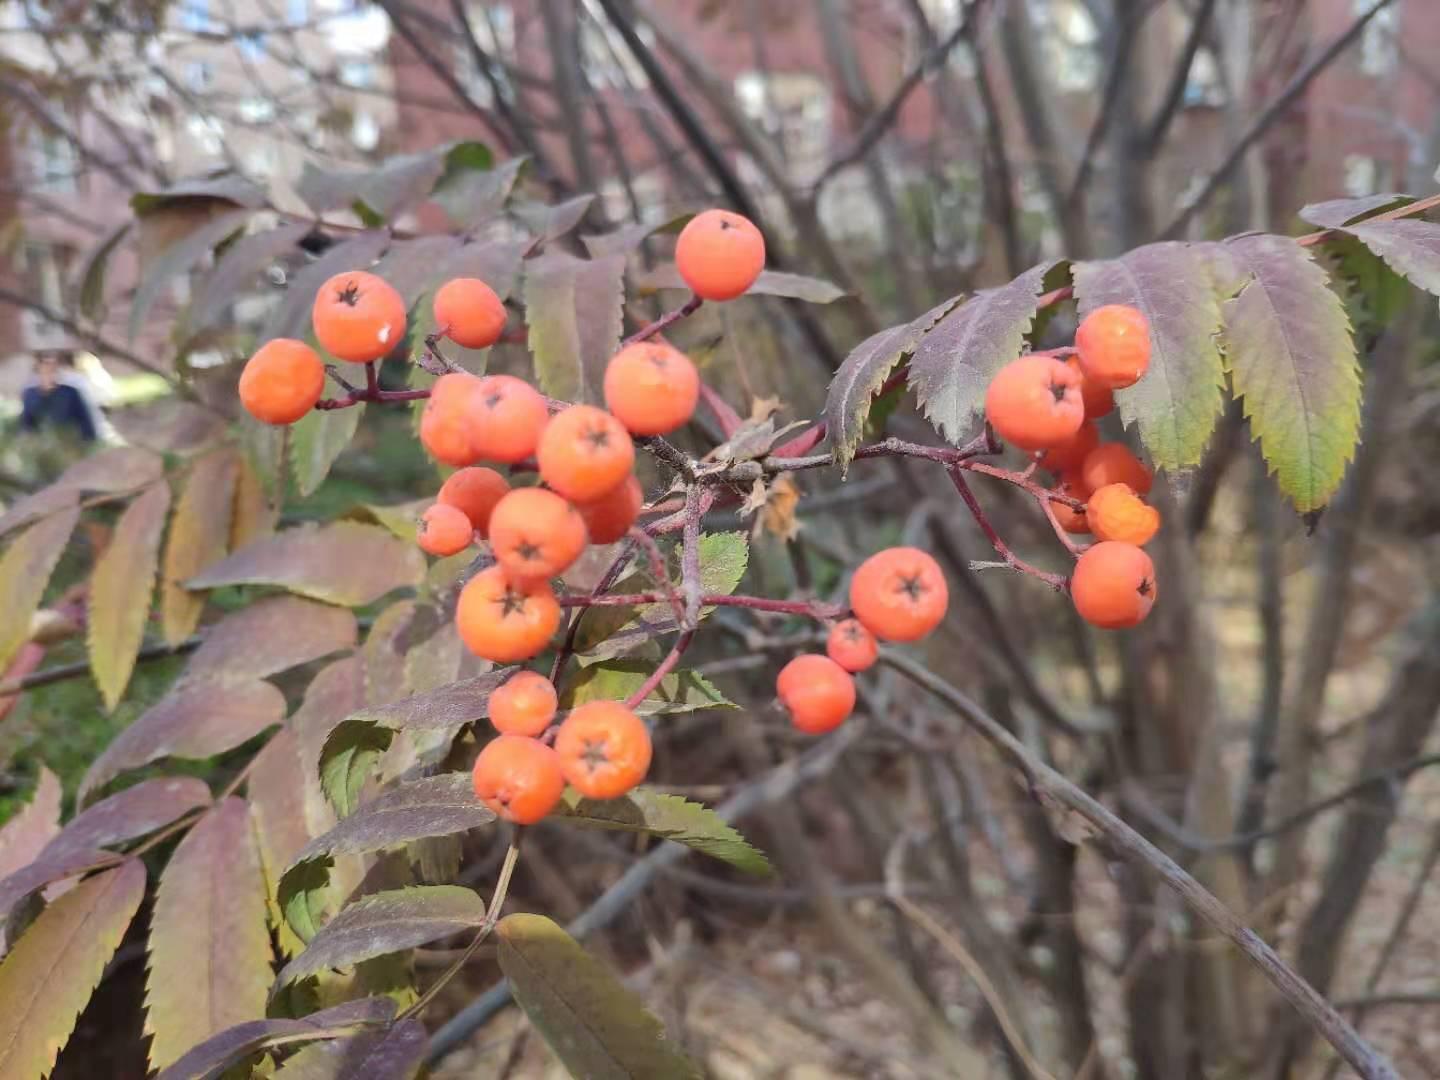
[61, 407]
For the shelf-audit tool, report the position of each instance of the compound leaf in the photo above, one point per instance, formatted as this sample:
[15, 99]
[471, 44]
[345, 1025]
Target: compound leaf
[121, 588]
[669, 817]
[573, 310]
[270, 636]
[1410, 247]
[316, 440]
[616, 680]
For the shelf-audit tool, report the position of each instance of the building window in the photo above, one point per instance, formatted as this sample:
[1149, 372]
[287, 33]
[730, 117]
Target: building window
[195, 16]
[261, 160]
[943, 16]
[1379, 41]
[1365, 175]
[1202, 85]
[297, 11]
[1071, 43]
[794, 109]
[357, 73]
[199, 75]
[54, 162]
[251, 45]
[207, 133]
[43, 268]
[256, 110]
[494, 28]
[364, 131]
[607, 60]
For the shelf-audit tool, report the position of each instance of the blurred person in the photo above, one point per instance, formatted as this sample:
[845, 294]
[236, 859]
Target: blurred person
[52, 400]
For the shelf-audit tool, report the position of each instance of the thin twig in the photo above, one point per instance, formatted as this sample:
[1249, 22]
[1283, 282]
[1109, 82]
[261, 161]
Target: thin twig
[645, 333]
[1058, 582]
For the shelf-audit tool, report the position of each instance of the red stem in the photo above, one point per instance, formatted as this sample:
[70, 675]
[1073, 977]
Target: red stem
[814, 609]
[1056, 581]
[645, 333]
[662, 669]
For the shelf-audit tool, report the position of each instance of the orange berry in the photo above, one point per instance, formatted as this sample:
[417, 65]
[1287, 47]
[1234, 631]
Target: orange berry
[651, 388]
[585, 453]
[358, 317]
[449, 419]
[282, 381]
[1070, 519]
[720, 254]
[474, 492]
[1113, 343]
[609, 517]
[1113, 463]
[1117, 513]
[468, 312]
[851, 646]
[503, 621]
[509, 420]
[899, 594]
[604, 749]
[524, 704]
[1034, 402]
[518, 778]
[1099, 400]
[1113, 585]
[444, 530]
[535, 534]
[817, 693]
[1071, 454]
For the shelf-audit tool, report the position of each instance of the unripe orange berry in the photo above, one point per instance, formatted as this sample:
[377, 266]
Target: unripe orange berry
[358, 317]
[817, 693]
[585, 453]
[1034, 403]
[1113, 585]
[651, 388]
[523, 705]
[504, 621]
[282, 381]
[1099, 400]
[444, 530]
[1070, 519]
[468, 312]
[604, 749]
[510, 417]
[899, 594]
[1113, 463]
[518, 778]
[474, 492]
[1071, 454]
[449, 419]
[609, 517]
[1117, 513]
[535, 534]
[851, 646]
[1114, 345]
[720, 254]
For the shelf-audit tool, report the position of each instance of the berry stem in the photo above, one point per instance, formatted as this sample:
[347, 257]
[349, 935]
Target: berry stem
[355, 397]
[658, 571]
[661, 670]
[1056, 581]
[814, 609]
[1060, 532]
[645, 333]
[372, 380]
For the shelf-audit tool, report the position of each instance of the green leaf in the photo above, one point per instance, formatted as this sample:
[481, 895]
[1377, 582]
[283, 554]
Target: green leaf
[342, 563]
[573, 310]
[209, 947]
[1410, 247]
[392, 1054]
[350, 755]
[387, 922]
[316, 440]
[402, 519]
[199, 536]
[864, 371]
[49, 976]
[616, 680]
[668, 817]
[473, 198]
[277, 788]
[25, 570]
[1178, 401]
[1292, 361]
[956, 359]
[398, 184]
[552, 222]
[595, 1025]
[120, 592]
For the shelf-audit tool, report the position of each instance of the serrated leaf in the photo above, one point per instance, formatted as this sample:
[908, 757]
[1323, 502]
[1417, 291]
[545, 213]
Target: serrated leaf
[1292, 361]
[573, 310]
[276, 789]
[864, 371]
[552, 222]
[120, 592]
[237, 270]
[130, 814]
[342, 563]
[25, 570]
[400, 183]
[350, 755]
[199, 536]
[173, 242]
[1337, 213]
[384, 923]
[473, 198]
[56, 965]
[668, 817]
[216, 1054]
[123, 468]
[41, 504]
[92, 273]
[291, 317]
[209, 947]
[1410, 247]
[616, 680]
[956, 359]
[169, 426]
[196, 719]
[392, 1054]
[811, 290]
[384, 652]
[270, 636]
[32, 827]
[595, 1024]
[226, 189]
[1178, 401]
[316, 440]
[626, 239]
[337, 691]
[252, 516]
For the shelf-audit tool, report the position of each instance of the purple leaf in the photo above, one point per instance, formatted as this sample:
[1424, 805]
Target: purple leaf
[235, 273]
[1337, 213]
[34, 826]
[25, 570]
[270, 636]
[392, 1054]
[573, 310]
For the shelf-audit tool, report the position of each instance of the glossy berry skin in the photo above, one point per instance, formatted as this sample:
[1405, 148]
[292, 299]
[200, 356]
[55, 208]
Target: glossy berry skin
[1113, 586]
[817, 693]
[474, 491]
[1070, 519]
[1117, 513]
[604, 749]
[509, 418]
[1034, 403]
[444, 530]
[358, 317]
[1113, 463]
[535, 533]
[1099, 400]
[1070, 455]
[609, 517]
[1113, 343]
[585, 453]
[523, 705]
[720, 254]
[899, 594]
[852, 646]
[518, 778]
[651, 388]
[468, 312]
[449, 418]
[502, 621]
[282, 381]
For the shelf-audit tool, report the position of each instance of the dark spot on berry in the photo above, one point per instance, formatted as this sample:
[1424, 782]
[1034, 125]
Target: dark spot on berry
[594, 755]
[656, 357]
[493, 399]
[1058, 389]
[512, 603]
[911, 586]
[1146, 587]
[527, 551]
[349, 295]
[852, 633]
[726, 223]
[597, 437]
